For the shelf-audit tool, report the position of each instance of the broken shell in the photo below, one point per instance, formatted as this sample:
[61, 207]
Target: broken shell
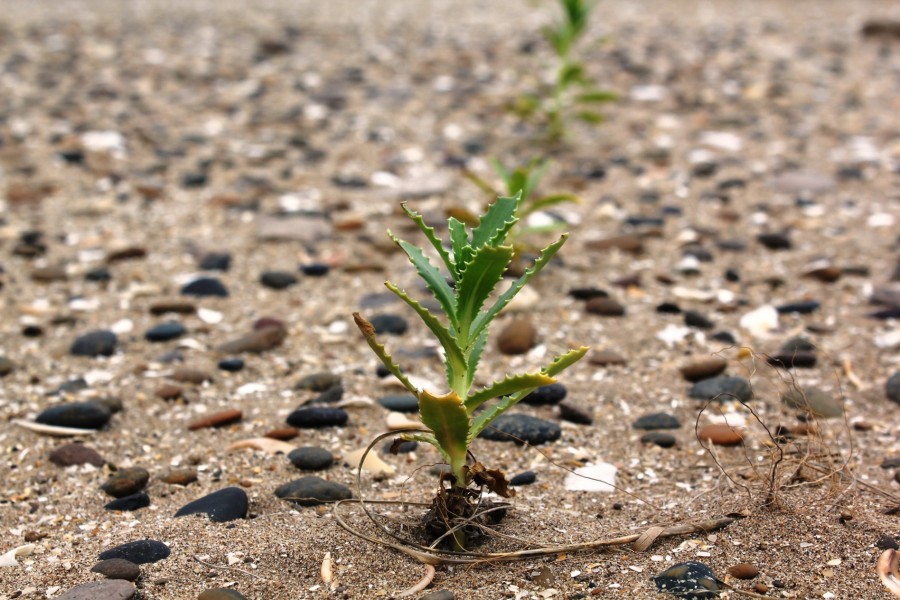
[268, 445]
[396, 420]
[372, 464]
[888, 571]
[9, 559]
[54, 430]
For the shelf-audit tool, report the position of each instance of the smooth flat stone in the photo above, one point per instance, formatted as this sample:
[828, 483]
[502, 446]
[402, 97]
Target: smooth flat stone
[205, 287]
[165, 332]
[545, 395]
[221, 506]
[315, 417]
[722, 388]
[221, 594]
[76, 454]
[117, 568]
[521, 429]
[256, 341]
[312, 491]
[94, 343]
[815, 401]
[78, 415]
[110, 589]
[129, 503]
[658, 420]
[140, 552]
[125, 482]
[311, 458]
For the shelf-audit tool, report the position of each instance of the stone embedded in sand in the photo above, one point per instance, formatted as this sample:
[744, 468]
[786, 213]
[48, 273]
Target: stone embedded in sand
[94, 343]
[129, 503]
[139, 552]
[659, 438]
[221, 594]
[258, 340]
[517, 337]
[574, 413]
[815, 401]
[720, 434]
[389, 324]
[109, 589]
[189, 375]
[312, 491]
[404, 403]
[689, 580]
[221, 506]
[183, 476]
[546, 395]
[743, 571]
[703, 367]
[692, 318]
[606, 358]
[205, 287]
[77, 415]
[318, 382]
[117, 568]
[76, 454]
[125, 482]
[722, 388]
[523, 478]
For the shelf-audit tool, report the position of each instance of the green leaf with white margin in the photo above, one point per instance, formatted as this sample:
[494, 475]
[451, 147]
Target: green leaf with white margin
[509, 385]
[447, 418]
[431, 235]
[368, 332]
[432, 278]
[487, 416]
[477, 281]
[486, 317]
[456, 361]
[459, 241]
[496, 222]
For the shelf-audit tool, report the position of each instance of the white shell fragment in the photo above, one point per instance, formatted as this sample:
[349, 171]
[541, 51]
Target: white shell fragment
[268, 445]
[760, 322]
[373, 463]
[9, 559]
[599, 477]
[54, 430]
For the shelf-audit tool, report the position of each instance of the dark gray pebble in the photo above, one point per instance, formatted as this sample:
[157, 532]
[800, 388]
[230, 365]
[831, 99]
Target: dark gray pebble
[80, 415]
[313, 417]
[314, 269]
[128, 503]
[94, 343]
[574, 413]
[887, 542]
[6, 366]
[722, 388]
[892, 387]
[311, 458]
[278, 280]
[521, 428]
[205, 286]
[76, 454]
[775, 241]
[890, 463]
[658, 420]
[140, 552]
[98, 275]
[659, 438]
[329, 396]
[553, 393]
[215, 261]
[165, 332]
[117, 568]
[221, 506]
[399, 446]
[668, 308]
[125, 482]
[389, 324]
[524, 478]
[803, 307]
[689, 580]
[232, 365]
[405, 403]
[312, 491]
[693, 318]
[586, 293]
[795, 360]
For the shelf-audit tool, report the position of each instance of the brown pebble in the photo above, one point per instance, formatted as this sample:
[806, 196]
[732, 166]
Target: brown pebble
[828, 274]
[188, 375]
[626, 243]
[518, 337]
[721, 434]
[256, 341]
[605, 358]
[605, 307]
[218, 419]
[182, 476]
[48, 274]
[76, 454]
[761, 588]
[169, 391]
[117, 568]
[703, 367]
[129, 253]
[283, 433]
[574, 413]
[126, 481]
[173, 306]
[743, 571]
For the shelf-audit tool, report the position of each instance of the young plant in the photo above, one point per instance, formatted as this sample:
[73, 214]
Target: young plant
[524, 180]
[572, 89]
[475, 260]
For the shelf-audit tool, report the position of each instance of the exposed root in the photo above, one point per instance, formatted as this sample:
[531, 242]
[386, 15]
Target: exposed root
[420, 585]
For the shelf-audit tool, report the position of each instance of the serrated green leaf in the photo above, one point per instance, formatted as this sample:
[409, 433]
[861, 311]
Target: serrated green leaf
[475, 352]
[483, 319]
[496, 222]
[564, 361]
[368, 332]
[436, 242]
[478, 279]
[571, 73]
[456, 362]
[508, 386]
[459, 241]
[597, 97]
[432, 278]
[448, 420]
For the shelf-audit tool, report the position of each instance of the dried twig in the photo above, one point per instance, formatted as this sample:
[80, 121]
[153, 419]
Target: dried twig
[421, 584]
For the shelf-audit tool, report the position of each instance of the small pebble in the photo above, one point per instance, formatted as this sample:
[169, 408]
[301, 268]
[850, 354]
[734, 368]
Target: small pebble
[604, 307]
[775, 241]
[215, 261]
[312, 491]
[109, 589]
[720, 434]
[217, 419]
[743, 571]
[693, 318]
[221, 594]
[892, 387]
[722, 388]
[702, 367]
[545, 395]
[257, 341]
[139, 552]
[117, 568]
[318, 382]
[520, 428]
[606, 358]
[310, 458]
[388, 324]
[182, 476]
[315, 417]
[689, 580]
[169, 391]
[659, 420]
[79, 415]
[205, 287]
[404, 403]
[278, 280]
[439, 595]
[165, 332]
[817, 402]
[517, 337]
[232, 365]
[221, 506]
[659, 438]
[524, 478]
[189, 375]
[125, 482]
[130, 502]
[574, 413]
[76, 454]
[95, 343]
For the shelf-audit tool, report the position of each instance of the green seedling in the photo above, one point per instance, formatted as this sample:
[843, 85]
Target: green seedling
[572, 91]
[476, 260]
[524, 180]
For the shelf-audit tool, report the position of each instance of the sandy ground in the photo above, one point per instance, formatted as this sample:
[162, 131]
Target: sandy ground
[275, 100]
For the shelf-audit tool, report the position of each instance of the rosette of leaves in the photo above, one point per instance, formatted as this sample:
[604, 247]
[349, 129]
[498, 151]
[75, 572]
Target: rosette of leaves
[476, 259]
